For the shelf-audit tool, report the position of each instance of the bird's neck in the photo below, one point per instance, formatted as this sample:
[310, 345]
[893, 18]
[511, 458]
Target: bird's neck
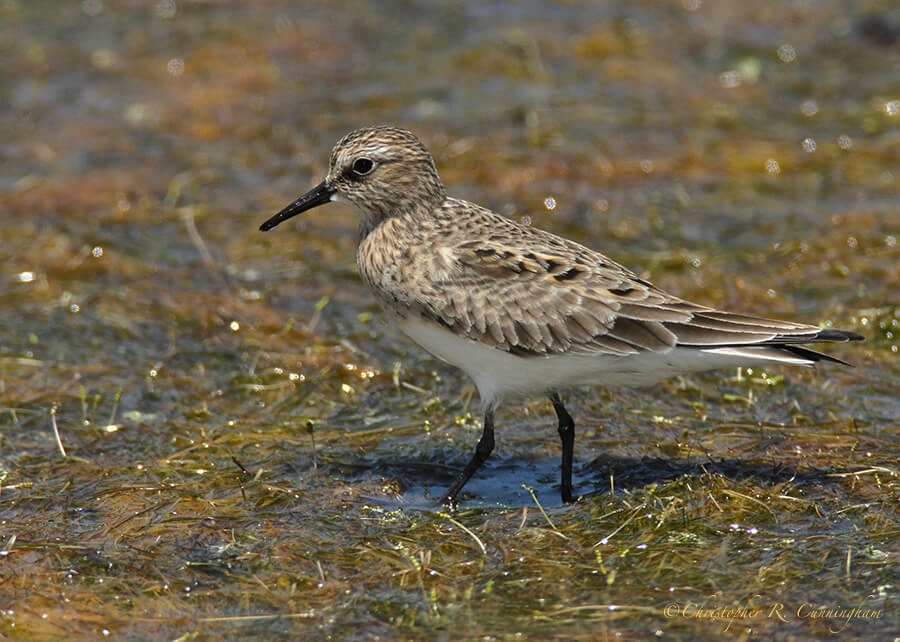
[414, 213]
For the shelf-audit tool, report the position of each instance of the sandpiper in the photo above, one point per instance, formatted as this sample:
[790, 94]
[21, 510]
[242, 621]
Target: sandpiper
[518, 309]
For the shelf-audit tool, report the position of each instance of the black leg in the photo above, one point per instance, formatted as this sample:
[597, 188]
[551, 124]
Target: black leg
[567, 436]
[482, 452]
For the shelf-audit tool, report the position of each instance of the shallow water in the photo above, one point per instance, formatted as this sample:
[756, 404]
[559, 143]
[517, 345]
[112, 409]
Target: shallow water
[247, 448]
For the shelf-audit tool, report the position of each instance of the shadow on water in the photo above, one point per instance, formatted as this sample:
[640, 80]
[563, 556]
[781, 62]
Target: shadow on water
[505, 483]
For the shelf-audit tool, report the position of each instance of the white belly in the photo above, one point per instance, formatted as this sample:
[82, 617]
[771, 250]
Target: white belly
[497, 373]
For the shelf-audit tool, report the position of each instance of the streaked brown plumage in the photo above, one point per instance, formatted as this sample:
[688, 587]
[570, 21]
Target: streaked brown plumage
[519, 309]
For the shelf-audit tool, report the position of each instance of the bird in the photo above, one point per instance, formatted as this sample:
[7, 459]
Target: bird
[518, 309]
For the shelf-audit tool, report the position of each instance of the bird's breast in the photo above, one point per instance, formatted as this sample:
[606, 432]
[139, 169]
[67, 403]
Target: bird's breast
[386, 260]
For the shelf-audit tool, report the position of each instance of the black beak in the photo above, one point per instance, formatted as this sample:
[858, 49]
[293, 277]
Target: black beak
[318, 195]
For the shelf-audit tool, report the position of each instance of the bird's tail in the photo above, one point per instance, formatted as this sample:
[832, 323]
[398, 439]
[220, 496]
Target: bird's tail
[785, 348]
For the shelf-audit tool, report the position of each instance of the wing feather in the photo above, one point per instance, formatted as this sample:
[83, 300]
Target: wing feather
[527, 291]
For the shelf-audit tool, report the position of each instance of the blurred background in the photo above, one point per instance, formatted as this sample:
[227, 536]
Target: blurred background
[219, 423]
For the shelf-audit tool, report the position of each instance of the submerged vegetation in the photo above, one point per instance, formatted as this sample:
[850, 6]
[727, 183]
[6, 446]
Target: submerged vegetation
[207, 432]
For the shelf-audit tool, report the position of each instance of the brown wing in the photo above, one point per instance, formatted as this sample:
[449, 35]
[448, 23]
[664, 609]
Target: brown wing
[530, 292]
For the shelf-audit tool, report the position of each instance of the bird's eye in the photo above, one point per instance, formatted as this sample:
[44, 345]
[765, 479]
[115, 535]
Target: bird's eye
[362, 166]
